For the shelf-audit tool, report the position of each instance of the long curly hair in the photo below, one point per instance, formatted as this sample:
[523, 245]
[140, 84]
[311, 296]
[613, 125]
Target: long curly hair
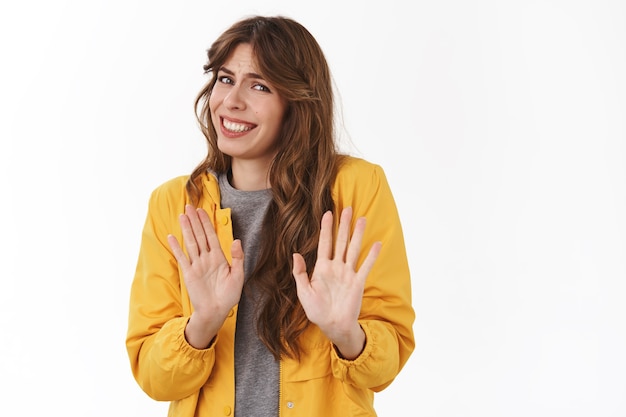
[302, 173]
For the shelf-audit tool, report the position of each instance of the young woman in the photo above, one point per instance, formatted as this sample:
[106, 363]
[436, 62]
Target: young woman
[259, 289]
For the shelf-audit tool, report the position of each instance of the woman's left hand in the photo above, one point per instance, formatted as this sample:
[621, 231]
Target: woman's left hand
[332, 297]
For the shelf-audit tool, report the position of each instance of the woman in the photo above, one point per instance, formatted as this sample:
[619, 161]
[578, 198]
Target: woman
[259, 289]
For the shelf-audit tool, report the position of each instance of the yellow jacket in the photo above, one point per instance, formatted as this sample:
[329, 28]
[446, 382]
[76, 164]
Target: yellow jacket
[201, 382]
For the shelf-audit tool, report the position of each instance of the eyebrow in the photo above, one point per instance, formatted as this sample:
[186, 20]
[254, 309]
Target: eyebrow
[249, 74]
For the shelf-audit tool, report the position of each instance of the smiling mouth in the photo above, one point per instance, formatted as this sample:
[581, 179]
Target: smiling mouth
[235, 127]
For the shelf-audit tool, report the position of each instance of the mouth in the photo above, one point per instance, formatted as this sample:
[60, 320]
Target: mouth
[236, 127]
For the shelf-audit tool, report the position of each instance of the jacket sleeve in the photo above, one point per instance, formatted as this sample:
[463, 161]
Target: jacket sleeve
[165, 366]
[387, 314]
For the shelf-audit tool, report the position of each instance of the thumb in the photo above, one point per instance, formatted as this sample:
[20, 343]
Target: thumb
[299, 272]
[236, 252]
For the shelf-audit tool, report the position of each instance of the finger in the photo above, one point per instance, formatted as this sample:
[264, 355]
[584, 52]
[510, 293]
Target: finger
[177, 251]
[188, 237]
[354, 247]
[236, 267]
[300, 274]
[369, 261]
[325, 245]
[207, 225]
[343, 234]
[209, 231]
[197, 228]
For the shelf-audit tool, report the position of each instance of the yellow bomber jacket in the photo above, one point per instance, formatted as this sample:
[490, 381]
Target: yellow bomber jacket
[201, 382]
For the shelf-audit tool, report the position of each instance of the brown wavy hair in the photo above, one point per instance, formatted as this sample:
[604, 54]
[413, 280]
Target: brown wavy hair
[302, 173]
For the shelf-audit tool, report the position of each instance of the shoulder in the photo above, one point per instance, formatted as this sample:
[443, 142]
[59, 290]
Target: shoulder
[354, 170]
[169, 199]
[176, 187]
[360, 183]
[170, 189]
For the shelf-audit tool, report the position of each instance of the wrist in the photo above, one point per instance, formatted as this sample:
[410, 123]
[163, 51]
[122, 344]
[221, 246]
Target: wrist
[350, 344]
[200, 331]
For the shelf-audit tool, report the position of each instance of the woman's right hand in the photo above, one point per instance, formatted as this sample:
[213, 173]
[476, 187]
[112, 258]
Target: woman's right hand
[213, 285]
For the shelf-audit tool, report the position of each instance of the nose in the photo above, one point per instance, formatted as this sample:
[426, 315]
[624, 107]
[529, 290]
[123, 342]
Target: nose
[234, 99]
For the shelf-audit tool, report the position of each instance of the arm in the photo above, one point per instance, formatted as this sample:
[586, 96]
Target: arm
[386, 314]
[214, 286]
[164, 363]
[332, 296]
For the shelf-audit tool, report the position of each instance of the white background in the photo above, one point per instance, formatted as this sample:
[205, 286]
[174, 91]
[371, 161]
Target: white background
[500, 124]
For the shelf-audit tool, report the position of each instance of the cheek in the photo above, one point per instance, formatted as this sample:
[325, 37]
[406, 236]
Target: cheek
[213, 103]
[279, 117]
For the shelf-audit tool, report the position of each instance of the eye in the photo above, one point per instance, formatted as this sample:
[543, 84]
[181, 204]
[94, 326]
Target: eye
[261, 87]
[224, 79]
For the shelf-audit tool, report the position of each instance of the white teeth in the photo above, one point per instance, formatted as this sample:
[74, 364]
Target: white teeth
[235, 127]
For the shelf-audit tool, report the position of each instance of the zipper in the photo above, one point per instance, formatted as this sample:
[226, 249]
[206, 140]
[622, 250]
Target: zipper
[280, 388]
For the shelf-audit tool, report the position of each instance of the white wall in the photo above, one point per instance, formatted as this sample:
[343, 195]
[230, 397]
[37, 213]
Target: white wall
[500, 125]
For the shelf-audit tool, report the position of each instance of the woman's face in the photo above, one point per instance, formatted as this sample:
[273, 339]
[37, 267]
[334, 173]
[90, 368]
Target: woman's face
[246, 111]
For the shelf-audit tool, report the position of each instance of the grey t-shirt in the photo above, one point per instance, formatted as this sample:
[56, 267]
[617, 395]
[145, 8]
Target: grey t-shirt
[256, 370]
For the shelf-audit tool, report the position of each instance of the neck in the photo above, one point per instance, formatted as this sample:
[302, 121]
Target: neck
[249, 176]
